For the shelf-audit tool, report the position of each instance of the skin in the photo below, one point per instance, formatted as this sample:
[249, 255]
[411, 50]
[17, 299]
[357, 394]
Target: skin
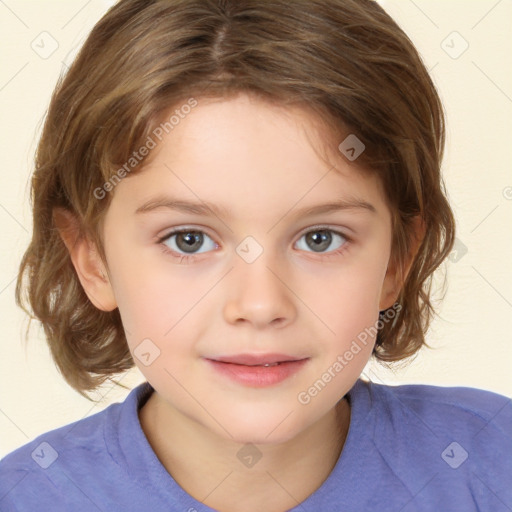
[266, 166]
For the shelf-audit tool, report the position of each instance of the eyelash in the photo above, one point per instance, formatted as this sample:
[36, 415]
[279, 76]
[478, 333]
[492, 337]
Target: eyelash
[186, 258]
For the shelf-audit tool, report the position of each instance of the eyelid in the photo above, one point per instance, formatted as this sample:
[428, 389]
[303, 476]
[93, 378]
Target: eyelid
[327, 227]
[185, 227]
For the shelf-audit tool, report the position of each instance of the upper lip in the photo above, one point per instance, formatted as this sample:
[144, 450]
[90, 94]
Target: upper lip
[256, 359]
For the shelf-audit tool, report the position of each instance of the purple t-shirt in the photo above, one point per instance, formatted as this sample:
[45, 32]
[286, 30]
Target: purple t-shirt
[409, 448]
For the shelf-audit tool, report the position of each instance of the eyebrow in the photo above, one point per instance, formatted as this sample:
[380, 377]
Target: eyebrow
[207, 209]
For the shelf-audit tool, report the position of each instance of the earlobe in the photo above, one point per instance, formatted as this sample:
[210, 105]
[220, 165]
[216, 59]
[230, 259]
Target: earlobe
[395, 278]
[86, 260]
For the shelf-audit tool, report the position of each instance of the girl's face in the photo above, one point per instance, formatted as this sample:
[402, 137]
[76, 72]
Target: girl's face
[262, 267]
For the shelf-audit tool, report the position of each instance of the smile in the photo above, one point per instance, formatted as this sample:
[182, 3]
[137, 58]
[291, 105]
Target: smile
[257, 370]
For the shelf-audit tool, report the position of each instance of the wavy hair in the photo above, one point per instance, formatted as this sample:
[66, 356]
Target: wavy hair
[345, 61]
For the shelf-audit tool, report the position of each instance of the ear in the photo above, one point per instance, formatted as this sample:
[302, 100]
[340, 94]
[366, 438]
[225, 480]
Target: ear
[85, 258]
[395, 279]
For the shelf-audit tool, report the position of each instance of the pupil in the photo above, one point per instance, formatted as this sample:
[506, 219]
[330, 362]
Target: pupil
[191, 239]
[321, 240]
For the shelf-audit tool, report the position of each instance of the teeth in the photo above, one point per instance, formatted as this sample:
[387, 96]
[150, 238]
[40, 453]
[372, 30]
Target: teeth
[270, 364]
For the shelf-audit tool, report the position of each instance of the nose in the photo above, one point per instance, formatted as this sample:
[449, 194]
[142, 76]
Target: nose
[258, 295]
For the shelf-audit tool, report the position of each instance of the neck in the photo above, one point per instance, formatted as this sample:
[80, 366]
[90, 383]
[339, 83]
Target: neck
[209, 469]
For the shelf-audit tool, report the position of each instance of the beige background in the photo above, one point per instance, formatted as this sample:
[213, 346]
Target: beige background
[472, 336]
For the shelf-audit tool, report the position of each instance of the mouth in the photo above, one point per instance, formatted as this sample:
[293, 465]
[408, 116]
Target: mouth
[257, 370]
[257, 359]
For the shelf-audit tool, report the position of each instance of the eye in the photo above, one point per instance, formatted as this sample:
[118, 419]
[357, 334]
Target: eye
[321, 240]
[186, 241]
[185, 244]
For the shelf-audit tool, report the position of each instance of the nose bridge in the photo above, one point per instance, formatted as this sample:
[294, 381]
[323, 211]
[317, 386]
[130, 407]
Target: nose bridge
[257, 293]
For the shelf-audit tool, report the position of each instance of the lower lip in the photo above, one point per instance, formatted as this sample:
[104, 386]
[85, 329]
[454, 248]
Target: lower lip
[258, 376]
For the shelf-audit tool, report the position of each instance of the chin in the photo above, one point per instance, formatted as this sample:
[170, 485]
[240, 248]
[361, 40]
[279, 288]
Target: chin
[257, 429]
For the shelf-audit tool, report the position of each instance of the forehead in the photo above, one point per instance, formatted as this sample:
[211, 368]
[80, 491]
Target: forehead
[245, 151]
[246, 118]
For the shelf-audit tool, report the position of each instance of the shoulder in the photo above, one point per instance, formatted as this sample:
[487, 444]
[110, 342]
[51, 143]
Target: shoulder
[450, 443]
[29, 474]
[85, 434]
[469, 415]
[446, 407]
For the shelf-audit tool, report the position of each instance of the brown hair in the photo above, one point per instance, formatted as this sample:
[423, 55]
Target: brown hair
[346, 61]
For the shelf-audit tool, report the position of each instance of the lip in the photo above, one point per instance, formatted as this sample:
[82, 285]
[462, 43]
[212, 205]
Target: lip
[248, 369]
[256, 359]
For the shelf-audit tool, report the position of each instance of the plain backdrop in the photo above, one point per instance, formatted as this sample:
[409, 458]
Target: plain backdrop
[466, 47]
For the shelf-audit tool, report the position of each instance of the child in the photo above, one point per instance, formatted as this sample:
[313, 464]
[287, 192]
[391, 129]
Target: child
[243, 198]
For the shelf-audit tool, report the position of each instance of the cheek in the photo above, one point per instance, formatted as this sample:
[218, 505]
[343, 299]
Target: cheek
[155, 305]
[346, 301]
[161, 301]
